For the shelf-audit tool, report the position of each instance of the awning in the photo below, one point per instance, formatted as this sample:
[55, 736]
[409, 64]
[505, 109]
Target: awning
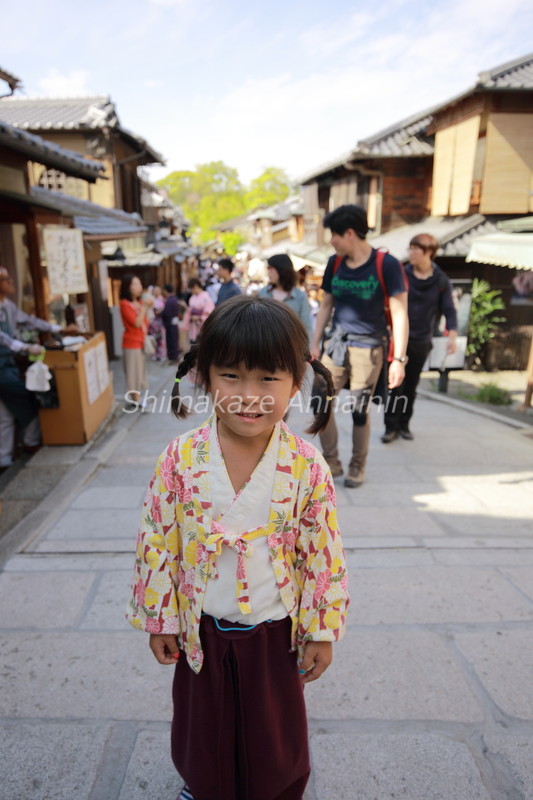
[513, 250]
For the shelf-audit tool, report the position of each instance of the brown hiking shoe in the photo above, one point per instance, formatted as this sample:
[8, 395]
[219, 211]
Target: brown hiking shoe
[335, 468]
[355, 478]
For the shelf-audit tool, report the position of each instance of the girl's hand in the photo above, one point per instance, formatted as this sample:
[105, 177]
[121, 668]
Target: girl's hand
[165, 648]
[317, 658]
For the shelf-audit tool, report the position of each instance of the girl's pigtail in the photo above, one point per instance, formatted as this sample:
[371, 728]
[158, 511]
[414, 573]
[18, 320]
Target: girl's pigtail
[188, 362]
[322, 395]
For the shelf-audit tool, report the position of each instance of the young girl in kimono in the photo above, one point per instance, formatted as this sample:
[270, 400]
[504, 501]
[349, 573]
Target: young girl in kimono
[240, 573]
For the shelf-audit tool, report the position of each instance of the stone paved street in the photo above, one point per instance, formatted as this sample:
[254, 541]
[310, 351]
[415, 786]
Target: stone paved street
[430, 696]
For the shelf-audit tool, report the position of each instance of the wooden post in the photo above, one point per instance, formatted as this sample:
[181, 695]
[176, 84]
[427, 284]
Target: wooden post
[36, 269]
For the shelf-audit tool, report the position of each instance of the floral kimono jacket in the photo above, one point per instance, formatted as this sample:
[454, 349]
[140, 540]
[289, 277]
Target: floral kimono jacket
[179, 539]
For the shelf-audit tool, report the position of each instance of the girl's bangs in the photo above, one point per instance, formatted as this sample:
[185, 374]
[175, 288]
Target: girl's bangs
[258, 336]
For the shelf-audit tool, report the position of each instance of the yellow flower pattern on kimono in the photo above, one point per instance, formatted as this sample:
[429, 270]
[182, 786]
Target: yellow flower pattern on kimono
[178, 540]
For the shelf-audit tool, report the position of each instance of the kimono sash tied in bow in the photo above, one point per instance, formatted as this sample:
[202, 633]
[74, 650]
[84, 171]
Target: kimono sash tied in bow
[240, 543]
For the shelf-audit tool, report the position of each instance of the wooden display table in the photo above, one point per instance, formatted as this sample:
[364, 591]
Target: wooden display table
[85, 390]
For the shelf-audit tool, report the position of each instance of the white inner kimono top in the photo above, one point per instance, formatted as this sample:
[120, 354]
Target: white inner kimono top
[237, 514]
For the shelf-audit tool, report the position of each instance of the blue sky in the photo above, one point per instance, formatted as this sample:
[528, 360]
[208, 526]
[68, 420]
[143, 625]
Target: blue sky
[289, 84]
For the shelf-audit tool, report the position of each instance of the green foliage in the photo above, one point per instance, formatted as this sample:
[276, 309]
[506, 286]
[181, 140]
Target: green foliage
[494, 394]
[209, 195]
[271, 187]
[483, 323]
[231, 242]
[213, 193]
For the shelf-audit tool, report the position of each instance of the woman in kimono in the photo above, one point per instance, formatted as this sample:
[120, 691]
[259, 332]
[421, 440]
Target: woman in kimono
[240, 575]
[199, 307]
[156, 327]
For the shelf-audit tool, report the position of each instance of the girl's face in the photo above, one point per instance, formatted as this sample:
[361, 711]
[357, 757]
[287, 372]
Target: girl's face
[249, 403]
[273, 275]
[136, 288]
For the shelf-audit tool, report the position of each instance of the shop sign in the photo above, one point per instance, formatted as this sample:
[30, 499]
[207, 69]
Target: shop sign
[65, 261]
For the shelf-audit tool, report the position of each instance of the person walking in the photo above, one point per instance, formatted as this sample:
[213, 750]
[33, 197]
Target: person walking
[170, 318]
[240, 576]
[134, 313]
[156, 327]
[228, 287]
[430, 296]
[282, 286]
[353, 291]
[198, 309]
[17, 404]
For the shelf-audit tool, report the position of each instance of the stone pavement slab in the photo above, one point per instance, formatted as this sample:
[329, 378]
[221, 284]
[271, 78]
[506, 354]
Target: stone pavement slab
[104, 612]
[503, 663]
[95, 523]
[432, 594]
[393, 675]
[359, 519]
[496, 557]
[513, 756]
[114, 497]
[151, 773]
[88, 675]
[43, 594]
[50, 761]
[386, 767]
[77, 563]
[522, 577]
[123, 476]
[387, 556]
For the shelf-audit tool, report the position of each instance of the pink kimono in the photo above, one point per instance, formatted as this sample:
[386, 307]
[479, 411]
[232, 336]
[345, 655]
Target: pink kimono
[198, 310]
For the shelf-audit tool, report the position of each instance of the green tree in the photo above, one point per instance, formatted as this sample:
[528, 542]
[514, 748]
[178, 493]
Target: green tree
[272, 186]
[213, 193]
[483, 324]
[231, 241]
[209, 195]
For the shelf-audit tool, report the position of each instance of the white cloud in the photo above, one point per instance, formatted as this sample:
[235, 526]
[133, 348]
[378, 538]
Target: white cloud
[71, 84]
[364, 77]
[325, 40]
[170, 3]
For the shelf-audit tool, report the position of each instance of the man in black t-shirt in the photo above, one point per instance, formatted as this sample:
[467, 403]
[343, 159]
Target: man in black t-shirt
[356, 349]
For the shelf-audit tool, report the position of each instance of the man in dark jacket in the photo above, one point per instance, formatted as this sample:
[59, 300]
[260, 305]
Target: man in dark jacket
[430, 296]
[228, 287]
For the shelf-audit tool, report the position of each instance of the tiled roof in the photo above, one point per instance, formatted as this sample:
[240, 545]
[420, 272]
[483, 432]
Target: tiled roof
[517, 74]
[405, 138]
[61, 113]
[41, 114]
[90, 218]
[171, 246]
[48, 153]
[326, 167]
[459, 243]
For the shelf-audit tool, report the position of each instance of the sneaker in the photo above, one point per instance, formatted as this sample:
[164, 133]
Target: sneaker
[335, 468]
[355, 478]
[389, 436]
[185, 794]
[405, 433]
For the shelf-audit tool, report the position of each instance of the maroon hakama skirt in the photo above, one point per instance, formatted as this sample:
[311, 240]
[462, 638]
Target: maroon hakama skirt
[239, 730]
